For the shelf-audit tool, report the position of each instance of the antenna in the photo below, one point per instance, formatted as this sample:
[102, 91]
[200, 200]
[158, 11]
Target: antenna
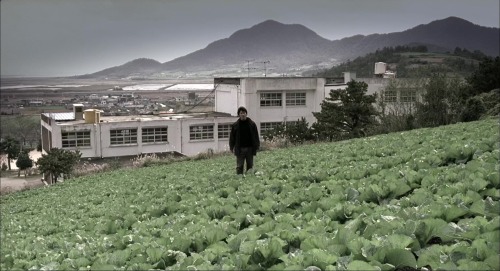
[265, 66]
[248, 66]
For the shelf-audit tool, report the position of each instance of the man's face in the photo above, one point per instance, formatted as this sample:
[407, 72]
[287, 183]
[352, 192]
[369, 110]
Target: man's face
[243, 115]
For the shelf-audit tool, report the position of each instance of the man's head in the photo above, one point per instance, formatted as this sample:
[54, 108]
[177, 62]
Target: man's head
[242, 113]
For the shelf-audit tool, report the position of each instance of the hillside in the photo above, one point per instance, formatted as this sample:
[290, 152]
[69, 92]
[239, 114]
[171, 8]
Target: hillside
[281, 44]
[426, 197]
[409, 61]
[294, 48]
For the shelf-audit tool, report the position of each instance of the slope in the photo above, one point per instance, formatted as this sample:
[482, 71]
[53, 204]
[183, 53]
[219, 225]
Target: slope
[396, 200]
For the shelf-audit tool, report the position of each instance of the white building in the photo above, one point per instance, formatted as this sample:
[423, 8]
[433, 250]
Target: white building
[269, 101]
[274, 100]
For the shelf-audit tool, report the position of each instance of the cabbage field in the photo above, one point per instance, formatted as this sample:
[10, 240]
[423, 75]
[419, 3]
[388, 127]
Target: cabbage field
[425, 199]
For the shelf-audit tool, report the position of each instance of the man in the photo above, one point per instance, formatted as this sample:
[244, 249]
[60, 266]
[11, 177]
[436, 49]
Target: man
[244, 140]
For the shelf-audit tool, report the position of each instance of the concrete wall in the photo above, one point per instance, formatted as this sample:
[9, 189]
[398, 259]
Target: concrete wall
[226, 98]
[178, 137]
[247, 94]
[193, 147]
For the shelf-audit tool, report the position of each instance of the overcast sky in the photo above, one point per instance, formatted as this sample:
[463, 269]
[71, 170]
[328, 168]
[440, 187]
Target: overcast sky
[73, 37]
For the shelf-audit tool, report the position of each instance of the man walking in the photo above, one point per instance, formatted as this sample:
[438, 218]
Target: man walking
[244, 140]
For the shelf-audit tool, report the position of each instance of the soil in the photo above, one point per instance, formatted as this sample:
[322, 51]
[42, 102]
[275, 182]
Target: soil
[9, 182]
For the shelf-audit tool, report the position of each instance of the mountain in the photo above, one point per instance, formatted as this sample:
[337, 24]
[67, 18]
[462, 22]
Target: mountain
[293, 48]
[446, 34]
[280, 44]
[137, 67]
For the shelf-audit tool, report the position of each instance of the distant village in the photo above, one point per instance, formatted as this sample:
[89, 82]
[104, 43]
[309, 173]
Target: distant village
[141, 99]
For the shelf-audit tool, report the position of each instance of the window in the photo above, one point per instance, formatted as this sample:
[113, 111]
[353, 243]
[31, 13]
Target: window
[223, 130]
[75, 139]
[390, 96]
[270, 99]
[266, 126]
[408, 96]
[197, 132]
[296, 98]
[123, 136]
[156, 134]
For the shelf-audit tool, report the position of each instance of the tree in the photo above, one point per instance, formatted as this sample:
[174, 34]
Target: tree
[397, 104]
[11, 147]
[346, 113]
[441, 102]
[57, 162]
[298, 132]
[295, 132]
[24, 128]
[24, 162]
[485, 78]
[474, 109]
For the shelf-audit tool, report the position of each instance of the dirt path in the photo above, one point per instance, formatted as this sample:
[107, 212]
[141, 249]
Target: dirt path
[11, 183]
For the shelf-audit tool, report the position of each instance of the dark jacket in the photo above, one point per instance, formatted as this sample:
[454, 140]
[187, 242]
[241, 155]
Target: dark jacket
[234, 137]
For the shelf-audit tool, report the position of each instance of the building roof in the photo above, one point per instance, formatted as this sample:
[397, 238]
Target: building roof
[69, 118]
[207, 87]
[146, 87]
[65, 116]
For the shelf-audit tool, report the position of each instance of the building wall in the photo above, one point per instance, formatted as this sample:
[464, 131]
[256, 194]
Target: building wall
[193, 147]
[108, 150]
[248, 93]
[375, 85]
[178, 136]
[226, 98]
[230, 93]
[92, 151]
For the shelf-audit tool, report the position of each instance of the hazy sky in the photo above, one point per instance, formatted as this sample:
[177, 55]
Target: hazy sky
[73, 37]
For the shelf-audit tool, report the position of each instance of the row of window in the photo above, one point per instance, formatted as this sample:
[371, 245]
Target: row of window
[275, 99]
[73, 139]
[407, 96]
[78, 139]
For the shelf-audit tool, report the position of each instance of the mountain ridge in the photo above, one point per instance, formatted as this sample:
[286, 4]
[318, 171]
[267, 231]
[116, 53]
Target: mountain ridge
[294, 47]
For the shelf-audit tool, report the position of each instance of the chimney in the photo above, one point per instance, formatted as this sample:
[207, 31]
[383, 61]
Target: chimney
[78, 111]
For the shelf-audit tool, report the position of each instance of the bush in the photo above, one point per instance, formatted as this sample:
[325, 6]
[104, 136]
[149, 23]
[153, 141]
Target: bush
[474, 109]
[294, 132]
[90, 168]
[57, 162]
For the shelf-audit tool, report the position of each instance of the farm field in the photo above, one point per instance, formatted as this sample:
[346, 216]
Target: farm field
[401, 201]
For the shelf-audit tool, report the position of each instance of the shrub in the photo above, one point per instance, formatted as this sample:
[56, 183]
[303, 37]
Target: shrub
[90, 168]
[474, 109]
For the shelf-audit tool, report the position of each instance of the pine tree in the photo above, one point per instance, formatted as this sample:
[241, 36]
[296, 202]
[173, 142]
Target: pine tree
[24, 162]
[346, 113]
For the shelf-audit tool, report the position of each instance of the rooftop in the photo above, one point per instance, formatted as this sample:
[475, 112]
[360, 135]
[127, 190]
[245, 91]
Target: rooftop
[68, 118]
